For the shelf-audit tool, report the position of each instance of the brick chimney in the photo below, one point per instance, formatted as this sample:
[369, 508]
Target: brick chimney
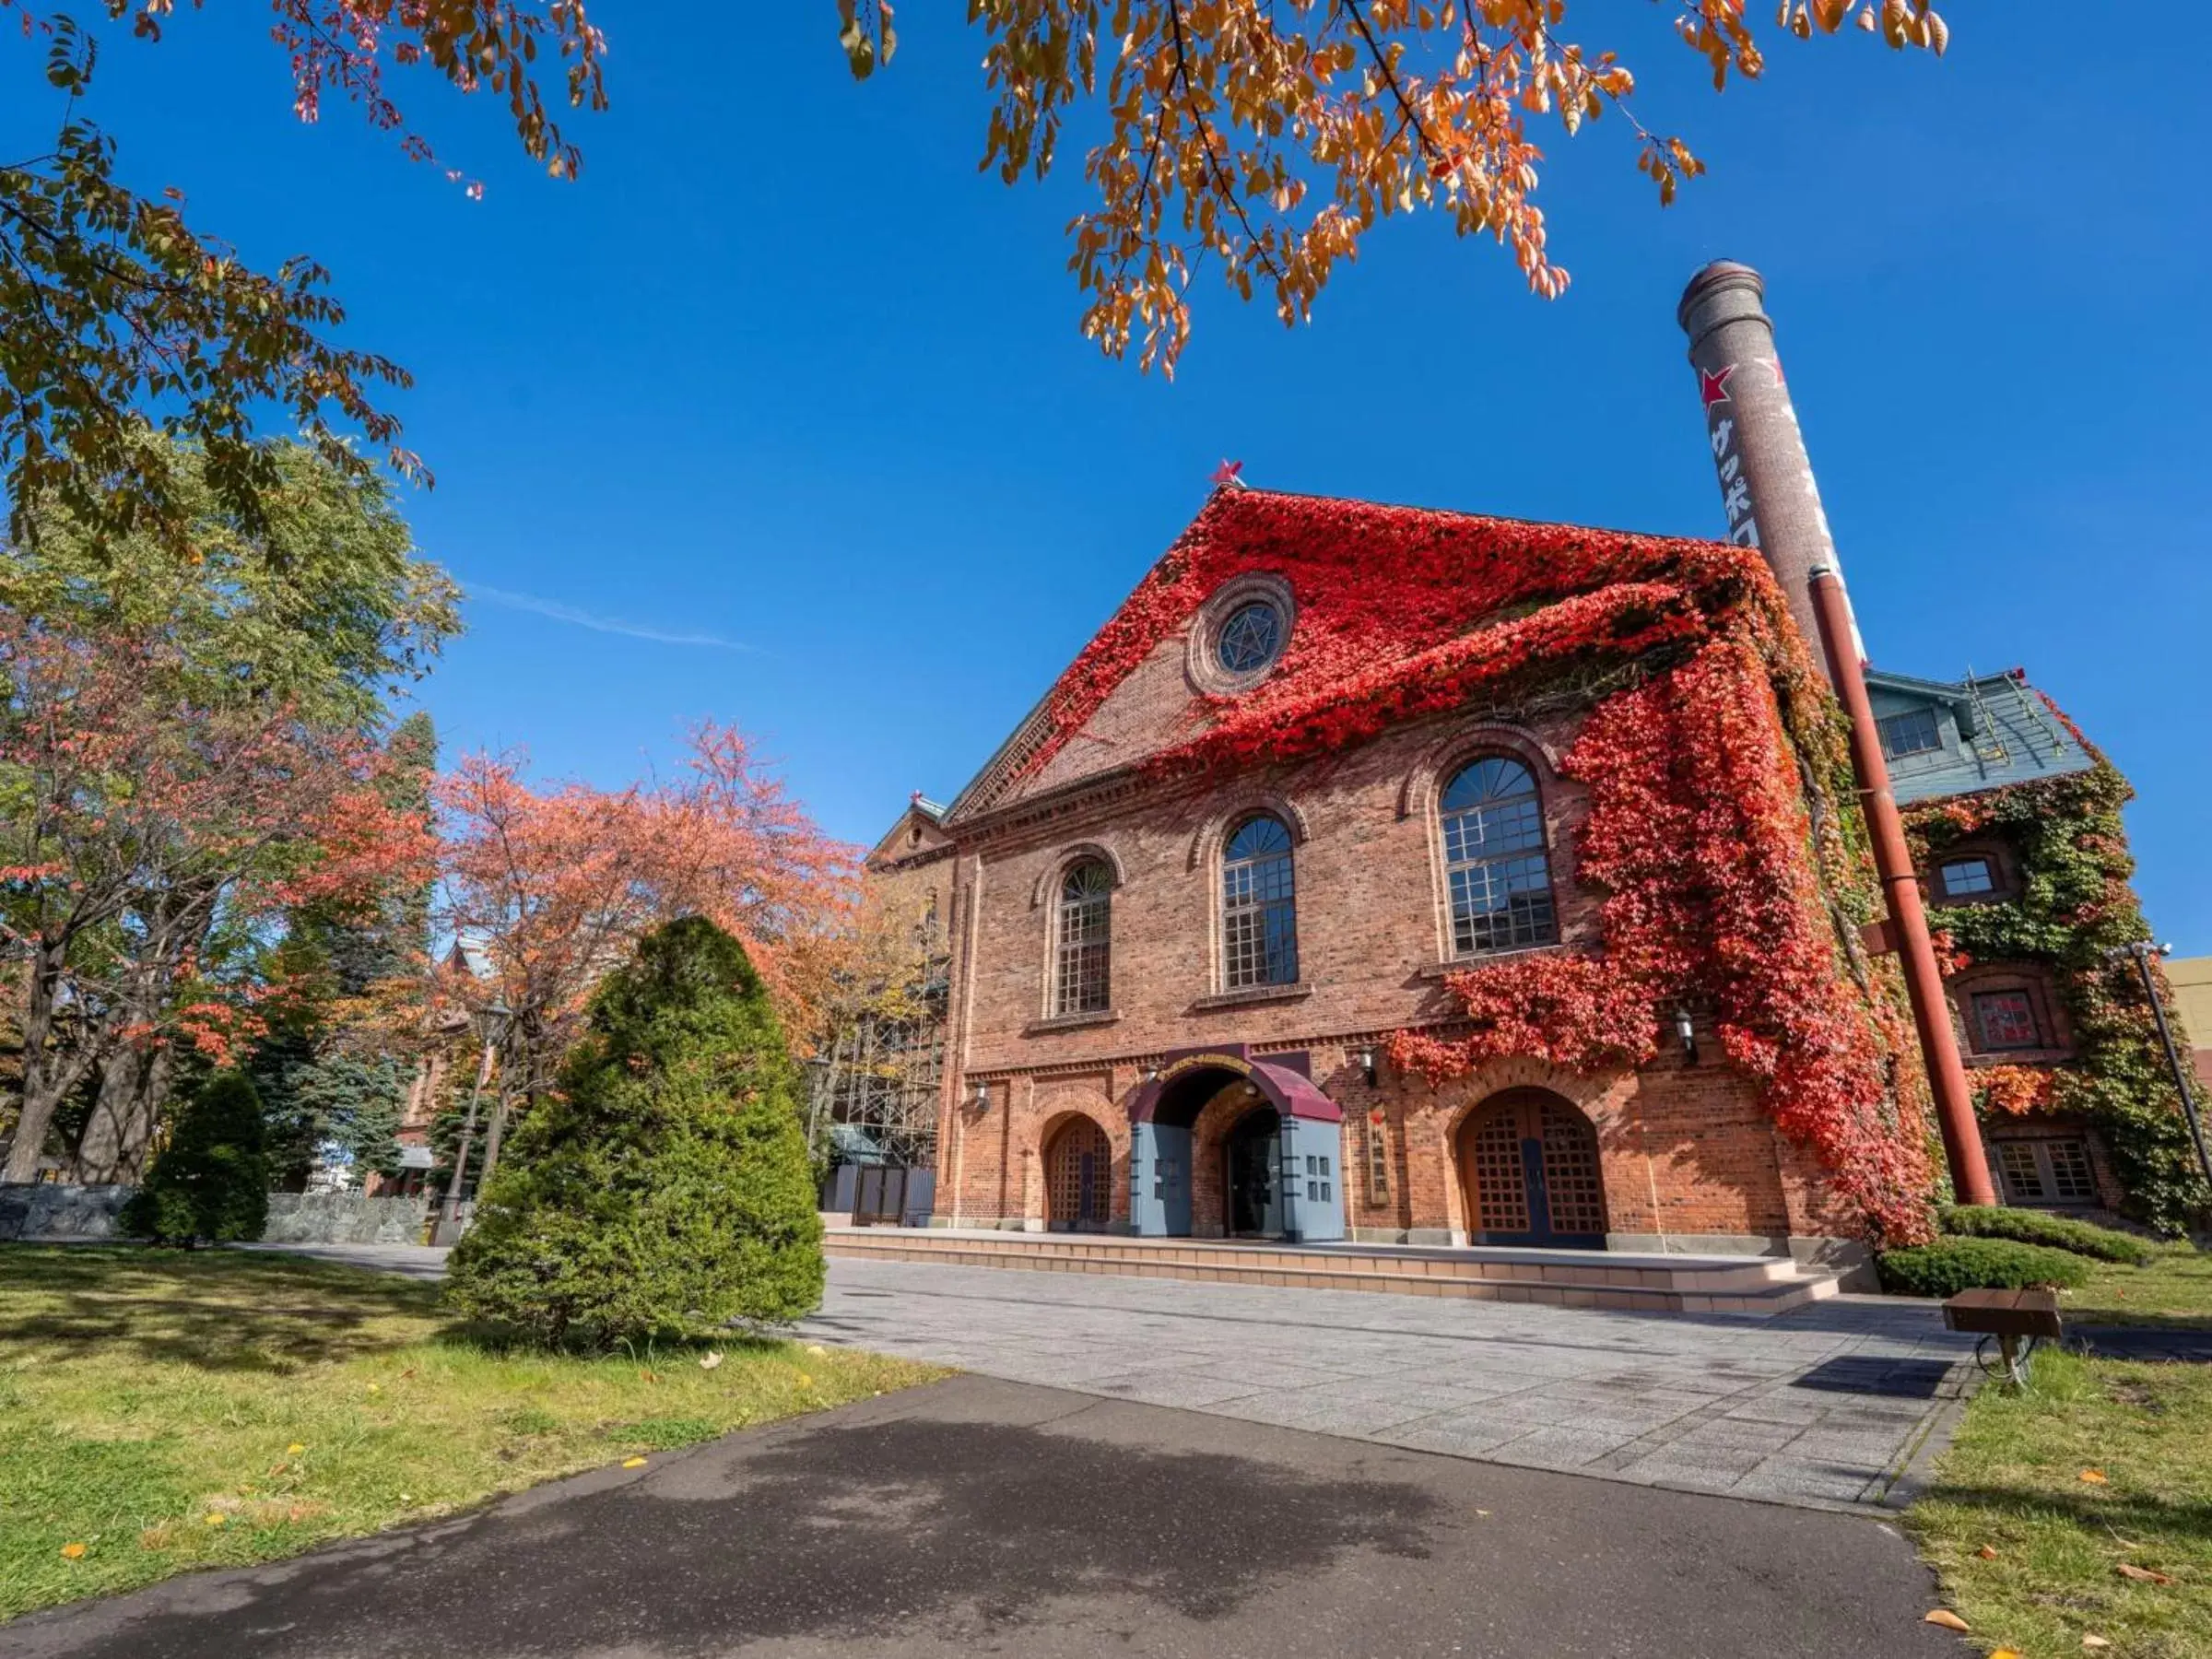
[1766, 488]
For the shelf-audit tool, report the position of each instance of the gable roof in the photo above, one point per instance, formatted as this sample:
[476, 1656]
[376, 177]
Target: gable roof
[1399, 611]
[919, 830]
[1996, 728]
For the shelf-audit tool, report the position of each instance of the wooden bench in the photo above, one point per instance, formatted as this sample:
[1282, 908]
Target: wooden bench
[2010, 1316]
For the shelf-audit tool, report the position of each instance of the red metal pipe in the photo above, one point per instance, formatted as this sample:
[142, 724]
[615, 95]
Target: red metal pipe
[1900, 888]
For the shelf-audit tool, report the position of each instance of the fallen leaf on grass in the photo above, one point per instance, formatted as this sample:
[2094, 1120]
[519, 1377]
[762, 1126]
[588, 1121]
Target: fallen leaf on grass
[1986, 1553]
[294, 1449]
[1947, 1620]
[2005, 1653]
[816, 1349]
[708, 1361]
[2142, 1576]
[405, 1374]
[72, 1552]
[633, 1462]
[805, 1381]
[376, 1388]
[216, 1518]
[2095, 1477]
[2094, 1643]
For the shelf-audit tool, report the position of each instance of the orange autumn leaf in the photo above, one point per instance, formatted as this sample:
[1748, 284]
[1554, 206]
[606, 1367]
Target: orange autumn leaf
[1986, 1553]
[2094, 1477]
[1947, 1620]
[72, 1552]
[2142, 1576]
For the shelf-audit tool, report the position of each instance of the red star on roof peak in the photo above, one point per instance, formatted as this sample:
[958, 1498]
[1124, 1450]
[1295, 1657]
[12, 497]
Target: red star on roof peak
[1712, 384]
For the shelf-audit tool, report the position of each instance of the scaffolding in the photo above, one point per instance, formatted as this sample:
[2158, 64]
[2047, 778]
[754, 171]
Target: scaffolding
[871, 1097]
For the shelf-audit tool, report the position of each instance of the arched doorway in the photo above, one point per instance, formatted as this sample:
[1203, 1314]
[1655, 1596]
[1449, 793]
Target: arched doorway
[1529, 1169]
[1078, 1162]
[1252, 1156]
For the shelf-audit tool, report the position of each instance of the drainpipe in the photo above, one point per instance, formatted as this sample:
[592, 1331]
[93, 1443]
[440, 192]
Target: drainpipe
[1900, 888]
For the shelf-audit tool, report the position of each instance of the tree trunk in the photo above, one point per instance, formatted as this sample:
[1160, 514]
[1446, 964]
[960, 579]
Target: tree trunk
[133, 1085]
[49, 1074]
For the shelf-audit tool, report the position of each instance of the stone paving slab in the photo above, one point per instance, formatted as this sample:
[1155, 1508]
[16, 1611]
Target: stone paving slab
[1776, 1409]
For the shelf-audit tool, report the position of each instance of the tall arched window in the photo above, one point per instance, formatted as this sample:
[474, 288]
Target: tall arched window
[1259, 906]
[1494, 856]
[1082, 978]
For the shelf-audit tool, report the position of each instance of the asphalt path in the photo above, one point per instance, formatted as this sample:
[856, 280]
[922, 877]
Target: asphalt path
[981, 1516]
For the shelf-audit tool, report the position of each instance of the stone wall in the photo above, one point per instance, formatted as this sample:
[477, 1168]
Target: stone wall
[50, 1213]
[47, 1212]
[345, 1218]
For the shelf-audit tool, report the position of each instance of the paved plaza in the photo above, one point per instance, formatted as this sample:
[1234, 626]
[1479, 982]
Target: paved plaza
[1826, 1406]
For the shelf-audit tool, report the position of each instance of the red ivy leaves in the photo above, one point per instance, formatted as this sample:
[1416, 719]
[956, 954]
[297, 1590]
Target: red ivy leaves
[1698, 833]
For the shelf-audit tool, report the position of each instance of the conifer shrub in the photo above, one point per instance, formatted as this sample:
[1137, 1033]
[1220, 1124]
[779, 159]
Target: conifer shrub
[1950, 1266]
[211, 1182]
[662, 1189]
[2034, 1227]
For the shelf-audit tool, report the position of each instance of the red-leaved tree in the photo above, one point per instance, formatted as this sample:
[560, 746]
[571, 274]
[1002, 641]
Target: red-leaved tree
[154, 838]
[556, 884]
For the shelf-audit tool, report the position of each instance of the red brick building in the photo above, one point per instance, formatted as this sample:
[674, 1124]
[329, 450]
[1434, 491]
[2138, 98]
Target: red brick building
[1177, 966]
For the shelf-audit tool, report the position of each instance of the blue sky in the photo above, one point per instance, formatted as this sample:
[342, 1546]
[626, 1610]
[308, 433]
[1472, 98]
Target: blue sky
[787, 388]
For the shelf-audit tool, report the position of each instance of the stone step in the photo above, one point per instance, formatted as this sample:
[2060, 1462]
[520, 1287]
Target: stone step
[1757, 1285]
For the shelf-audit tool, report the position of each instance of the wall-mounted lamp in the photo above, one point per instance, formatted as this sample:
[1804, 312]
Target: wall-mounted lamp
[1151, 1074]
[1687, 1033]
[1367, 1065]
[983, 1098]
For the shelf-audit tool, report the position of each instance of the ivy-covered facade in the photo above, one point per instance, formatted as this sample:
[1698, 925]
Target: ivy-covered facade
[2015, 821]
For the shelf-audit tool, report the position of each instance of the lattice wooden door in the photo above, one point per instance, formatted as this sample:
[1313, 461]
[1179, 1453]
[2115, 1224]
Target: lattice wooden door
[1499, 1184]
[1077, 1166]
[1529, 1166]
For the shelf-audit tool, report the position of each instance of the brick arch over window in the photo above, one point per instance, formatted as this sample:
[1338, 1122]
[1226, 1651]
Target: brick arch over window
[2008, 1013]
[1205, 846]
[1425, 780]
[1046, 890]
[1966, 886]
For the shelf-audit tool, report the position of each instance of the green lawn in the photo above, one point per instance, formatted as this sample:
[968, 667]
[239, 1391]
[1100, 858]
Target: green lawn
[167, 1412]
[2013, 1484]
[2174, 1289]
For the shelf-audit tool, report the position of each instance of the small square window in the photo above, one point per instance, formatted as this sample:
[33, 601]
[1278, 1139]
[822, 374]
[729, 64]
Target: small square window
[1312, 1164]
[1912, 733]
[1313, 1190]
[1964, 877]
[2006, 1020]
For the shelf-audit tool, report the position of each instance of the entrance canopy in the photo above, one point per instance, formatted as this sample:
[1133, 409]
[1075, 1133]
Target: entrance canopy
[1288, 1092]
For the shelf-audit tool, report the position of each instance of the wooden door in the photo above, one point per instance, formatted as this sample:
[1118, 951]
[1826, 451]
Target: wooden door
[1078, 1166]
[1530, 1172]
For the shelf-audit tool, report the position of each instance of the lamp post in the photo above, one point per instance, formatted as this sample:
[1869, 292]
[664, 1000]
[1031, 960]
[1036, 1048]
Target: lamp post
[2145, 952]
[491, 1026]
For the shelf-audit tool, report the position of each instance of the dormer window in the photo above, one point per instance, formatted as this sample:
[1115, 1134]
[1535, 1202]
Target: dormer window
[1912, 733]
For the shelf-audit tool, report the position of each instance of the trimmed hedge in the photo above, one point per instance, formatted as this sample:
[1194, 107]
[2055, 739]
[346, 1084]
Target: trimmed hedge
[1950, 1266]
[2034, 1226]
[211, 1181]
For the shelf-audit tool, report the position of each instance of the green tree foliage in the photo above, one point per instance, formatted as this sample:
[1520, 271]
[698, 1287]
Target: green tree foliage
[212, 1181]
[664, 1187]
[121, 318]
[325, 602]
[342, 1103]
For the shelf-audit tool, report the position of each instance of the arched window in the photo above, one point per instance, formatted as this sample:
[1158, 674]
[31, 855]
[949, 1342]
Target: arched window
[1259, 906]
[1494, 856]
[1082, 952]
